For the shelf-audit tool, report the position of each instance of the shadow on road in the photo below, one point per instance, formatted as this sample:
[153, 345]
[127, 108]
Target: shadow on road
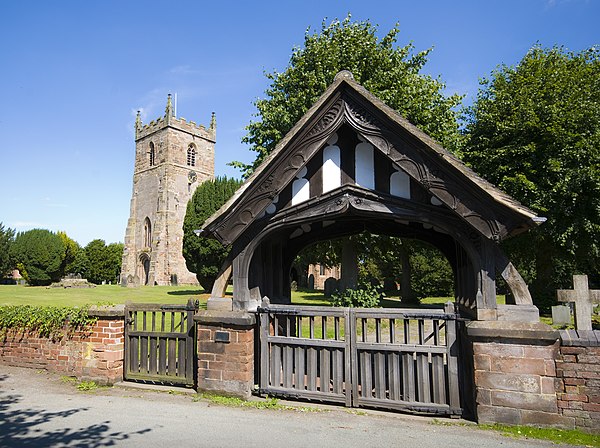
[19, 427]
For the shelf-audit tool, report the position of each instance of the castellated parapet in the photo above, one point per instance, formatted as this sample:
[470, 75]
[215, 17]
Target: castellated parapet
[172, 157]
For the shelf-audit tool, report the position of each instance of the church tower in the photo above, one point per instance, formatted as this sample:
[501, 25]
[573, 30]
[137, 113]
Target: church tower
[172, 157]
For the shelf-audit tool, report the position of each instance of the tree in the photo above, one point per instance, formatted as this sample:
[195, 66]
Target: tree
[390, 72]
[39, 256]
[534, 131]
[7, 236]
[205, 256]
[72, 249]
[103, 262]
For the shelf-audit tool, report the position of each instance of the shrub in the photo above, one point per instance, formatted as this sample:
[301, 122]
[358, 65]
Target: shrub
[365, 296]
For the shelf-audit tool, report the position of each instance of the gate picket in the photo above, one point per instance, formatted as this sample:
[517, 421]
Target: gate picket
[160, 343]
[387, 358]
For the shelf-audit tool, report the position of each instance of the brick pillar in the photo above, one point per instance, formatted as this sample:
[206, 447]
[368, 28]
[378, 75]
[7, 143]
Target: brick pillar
[578, 370]
[515, 373]
[103, 350]
[226, 352]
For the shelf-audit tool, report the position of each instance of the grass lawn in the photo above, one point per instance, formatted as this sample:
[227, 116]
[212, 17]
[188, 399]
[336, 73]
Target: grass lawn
[115, 294]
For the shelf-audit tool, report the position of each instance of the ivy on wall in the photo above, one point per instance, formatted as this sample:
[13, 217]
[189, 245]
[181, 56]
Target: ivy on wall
[47, 321]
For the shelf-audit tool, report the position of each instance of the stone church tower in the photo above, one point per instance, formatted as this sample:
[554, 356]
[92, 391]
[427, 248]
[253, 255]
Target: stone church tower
[172, 157]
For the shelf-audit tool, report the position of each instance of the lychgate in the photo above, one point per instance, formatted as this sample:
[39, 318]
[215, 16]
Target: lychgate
[350, 165]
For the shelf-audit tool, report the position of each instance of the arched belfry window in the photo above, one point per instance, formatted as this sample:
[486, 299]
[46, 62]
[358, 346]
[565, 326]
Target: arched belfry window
[191, 155]
[147, 233]
[151, 154]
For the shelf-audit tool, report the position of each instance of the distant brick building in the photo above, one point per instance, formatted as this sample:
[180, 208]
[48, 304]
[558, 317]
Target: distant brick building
[172, 157]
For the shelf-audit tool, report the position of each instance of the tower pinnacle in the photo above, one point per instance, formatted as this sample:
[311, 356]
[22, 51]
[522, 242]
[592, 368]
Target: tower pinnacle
[138, 122]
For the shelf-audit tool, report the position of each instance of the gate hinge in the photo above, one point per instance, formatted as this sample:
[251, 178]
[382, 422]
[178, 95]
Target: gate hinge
[260, 310]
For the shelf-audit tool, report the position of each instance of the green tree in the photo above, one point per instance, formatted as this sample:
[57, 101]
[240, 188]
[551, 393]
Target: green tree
[7, 236]
[534, 131]
[103, 262]
[115, 254]
[205, 256]
[39, 256]
[72, 248]
[390, 72]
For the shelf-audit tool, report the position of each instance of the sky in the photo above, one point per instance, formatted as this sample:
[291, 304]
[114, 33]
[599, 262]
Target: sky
[74, 73]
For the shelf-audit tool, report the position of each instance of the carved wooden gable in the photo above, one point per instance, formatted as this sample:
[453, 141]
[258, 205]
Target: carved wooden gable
[351, 140]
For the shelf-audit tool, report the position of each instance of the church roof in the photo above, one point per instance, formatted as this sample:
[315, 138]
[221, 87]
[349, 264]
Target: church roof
[487, 209]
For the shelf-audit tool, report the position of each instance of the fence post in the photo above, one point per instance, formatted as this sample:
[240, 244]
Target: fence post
[452, 347]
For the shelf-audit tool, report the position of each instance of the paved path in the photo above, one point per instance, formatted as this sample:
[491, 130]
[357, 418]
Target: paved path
[38, 409]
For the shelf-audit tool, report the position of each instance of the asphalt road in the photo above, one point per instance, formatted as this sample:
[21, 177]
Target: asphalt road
[38, 409]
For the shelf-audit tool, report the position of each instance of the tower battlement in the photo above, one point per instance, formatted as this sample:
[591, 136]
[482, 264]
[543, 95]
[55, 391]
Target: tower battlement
[209, 133]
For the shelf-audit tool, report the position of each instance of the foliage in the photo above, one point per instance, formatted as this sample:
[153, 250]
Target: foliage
[72, 250]
[205, 256]
[103, 262]
[7, 236]
[390, 72]
[39, 256]
[47, 321]
[365, 296]
[268, 403]
[534, 131]
[87, 386]
[572, 437]
[326, 253]
[431, 274]
[420, 268]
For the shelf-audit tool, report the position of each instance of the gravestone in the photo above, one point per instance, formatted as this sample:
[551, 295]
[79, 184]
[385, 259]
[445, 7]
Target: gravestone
[331, 285]
[561, 315]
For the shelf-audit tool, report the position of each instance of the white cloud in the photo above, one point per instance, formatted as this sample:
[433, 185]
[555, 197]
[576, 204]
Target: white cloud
[27, 225]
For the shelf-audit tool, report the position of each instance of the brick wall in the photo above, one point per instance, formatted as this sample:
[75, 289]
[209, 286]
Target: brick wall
[93, 354]
[226, 352]
[578, 384]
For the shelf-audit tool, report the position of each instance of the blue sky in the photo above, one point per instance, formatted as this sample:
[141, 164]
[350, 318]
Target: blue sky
[73, 74]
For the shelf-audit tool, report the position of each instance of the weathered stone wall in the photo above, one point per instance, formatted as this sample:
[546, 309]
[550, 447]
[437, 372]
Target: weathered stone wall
[515, 373]
[226, 352]
[93, 354]
[530, 375]
[578, 382]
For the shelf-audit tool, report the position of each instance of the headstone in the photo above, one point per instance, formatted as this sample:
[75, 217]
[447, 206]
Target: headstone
[561, 315]
[331, 285]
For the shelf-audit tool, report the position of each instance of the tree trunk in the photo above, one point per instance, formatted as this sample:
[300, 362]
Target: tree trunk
[349, 278]
[406, 291]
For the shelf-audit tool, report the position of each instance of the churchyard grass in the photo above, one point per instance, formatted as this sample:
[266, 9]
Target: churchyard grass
[102, 294]
[115, 294]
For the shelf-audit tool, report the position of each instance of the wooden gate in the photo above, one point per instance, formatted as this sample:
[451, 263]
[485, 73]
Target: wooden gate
[160, 343]
[404, 359]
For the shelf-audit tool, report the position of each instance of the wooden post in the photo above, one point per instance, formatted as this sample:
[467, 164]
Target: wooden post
[583, 298]
[452, 347]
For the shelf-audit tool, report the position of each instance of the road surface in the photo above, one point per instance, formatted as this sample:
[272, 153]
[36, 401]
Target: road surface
[38, 409]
